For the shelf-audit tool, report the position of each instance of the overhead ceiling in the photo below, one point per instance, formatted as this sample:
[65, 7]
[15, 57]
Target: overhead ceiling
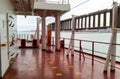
[25, 7]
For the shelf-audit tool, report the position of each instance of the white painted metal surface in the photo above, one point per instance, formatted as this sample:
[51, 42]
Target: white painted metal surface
[112, 48]
[51, 6]
[71, 44]
[6, 8]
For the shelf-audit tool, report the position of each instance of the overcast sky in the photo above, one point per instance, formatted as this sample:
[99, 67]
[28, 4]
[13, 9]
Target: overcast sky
[29, 23]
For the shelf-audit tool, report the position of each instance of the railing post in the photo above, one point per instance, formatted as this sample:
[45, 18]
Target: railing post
[17, 36]
[93, 53]
[22, 36]
[27, 37]
[53, 41]
[80, 49]
[64, 45]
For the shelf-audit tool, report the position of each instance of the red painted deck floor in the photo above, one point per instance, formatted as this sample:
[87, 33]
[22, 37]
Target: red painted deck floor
[37, 64]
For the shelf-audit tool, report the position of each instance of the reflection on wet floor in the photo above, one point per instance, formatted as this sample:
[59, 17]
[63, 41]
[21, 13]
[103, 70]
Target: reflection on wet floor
[37, 64]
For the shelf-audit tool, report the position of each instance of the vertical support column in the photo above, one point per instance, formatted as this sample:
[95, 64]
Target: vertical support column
[67, 24]
[98, 20]
[111, 18]
[43, 31]
[78, 23]
[93, 21]
[57, 32]
[38, 21]
[89, 22]
[75, 23]
[104, 20]
[62, 25]
[85, 22]
[112, 48]
[71, 44]
[81, 22]
[70, 25]
[0, 58]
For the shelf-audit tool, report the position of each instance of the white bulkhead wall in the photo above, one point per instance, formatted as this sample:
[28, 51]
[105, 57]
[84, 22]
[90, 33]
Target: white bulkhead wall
[5, 8]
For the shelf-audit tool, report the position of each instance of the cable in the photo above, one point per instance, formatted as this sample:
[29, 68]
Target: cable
[73, 7]
[80, 4]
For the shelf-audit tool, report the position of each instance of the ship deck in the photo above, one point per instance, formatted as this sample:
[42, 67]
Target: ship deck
[38, 64]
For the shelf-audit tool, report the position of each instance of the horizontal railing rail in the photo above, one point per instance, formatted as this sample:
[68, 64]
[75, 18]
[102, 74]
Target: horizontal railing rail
[81, 49]
[54, 2]
[92, 50]
[28, 37]
[101, 19]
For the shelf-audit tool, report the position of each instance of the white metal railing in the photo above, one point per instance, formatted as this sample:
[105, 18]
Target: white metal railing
[54, 2]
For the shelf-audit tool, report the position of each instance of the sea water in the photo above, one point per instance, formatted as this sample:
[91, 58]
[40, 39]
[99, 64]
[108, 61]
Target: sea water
[99, 48]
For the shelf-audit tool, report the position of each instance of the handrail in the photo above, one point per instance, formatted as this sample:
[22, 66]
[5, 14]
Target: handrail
[91, 41]
[80, 51]
[54, 2]
[93, 50]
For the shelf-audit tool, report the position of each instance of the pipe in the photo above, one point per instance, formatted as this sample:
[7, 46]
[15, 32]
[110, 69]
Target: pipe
[22, 6]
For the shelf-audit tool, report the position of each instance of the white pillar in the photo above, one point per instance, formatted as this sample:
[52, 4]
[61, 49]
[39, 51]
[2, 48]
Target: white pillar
[71, 44]
[38, 22]
[57, 32]
[112, 48]
[44, 31]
